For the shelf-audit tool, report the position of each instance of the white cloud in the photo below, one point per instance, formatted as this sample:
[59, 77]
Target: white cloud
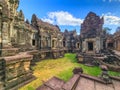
[65, 18]
[62, 18]
[48, 20]
[110, 19]
[111, 0]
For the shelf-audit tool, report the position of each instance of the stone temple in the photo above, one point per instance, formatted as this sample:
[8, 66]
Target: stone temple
[91, 33]
[22, 43]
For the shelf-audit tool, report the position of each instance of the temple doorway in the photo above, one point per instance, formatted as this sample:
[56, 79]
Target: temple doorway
[90, 46]
[33, 42]
[110, 45]
[64, 44]
[78, 45]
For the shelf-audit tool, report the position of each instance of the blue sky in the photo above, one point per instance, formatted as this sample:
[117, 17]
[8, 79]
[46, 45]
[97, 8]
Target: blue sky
[69, 14]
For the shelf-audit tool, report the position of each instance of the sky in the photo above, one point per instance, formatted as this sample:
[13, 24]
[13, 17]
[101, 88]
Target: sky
[69, 14]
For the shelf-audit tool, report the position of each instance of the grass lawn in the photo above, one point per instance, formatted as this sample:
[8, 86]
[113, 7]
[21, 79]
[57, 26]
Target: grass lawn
[61, 68]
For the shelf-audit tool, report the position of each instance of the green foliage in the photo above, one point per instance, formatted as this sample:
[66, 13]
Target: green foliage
[106, 30]
[30, 88]
[66, 74]
[114, 73]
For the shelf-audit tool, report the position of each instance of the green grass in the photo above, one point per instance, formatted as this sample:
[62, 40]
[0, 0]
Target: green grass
[61, 68]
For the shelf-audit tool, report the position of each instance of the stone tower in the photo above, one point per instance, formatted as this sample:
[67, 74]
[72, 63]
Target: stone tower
[92, 25]
[91, 33]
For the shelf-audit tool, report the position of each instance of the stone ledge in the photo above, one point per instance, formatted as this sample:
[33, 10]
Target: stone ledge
[93, 78]
[23, 84]
[115, 78]
[16, 57]
[9, 51]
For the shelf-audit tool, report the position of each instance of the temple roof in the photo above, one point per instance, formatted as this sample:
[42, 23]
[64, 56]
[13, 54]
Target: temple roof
[47, 26]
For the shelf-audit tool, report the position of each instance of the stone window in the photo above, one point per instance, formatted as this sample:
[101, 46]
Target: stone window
[53, 43]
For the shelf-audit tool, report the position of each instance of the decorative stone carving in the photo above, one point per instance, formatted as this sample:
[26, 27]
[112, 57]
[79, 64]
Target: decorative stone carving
[91, 26]
[71, 41]
[49, 36]
[91, 34]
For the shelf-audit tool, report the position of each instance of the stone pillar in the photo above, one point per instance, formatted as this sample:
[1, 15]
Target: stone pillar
[98, 44]
[84, 46]
[11, 29]
[5, 35]
[0, 30]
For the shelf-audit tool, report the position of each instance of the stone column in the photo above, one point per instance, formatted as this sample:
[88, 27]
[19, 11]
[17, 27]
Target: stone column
[98, 44]
[11, 29]
[0, 30]
[5, 35]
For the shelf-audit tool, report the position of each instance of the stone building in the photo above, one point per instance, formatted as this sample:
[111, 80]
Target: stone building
[14, 35]
[22, 43]
[91, 33]
[49, 38]
[117, 40]
[7, 14]
[14, 32]
[71, 41]
[24, 34]
[110, 41]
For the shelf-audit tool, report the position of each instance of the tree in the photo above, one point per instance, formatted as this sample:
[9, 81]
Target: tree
[106, 30]
[118, 29]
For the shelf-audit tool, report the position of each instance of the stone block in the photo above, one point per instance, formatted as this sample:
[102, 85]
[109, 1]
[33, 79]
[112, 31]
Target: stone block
[9, 52]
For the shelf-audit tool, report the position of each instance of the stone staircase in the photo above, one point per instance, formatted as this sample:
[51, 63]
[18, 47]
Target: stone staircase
[72, 83]
[58, 84]
[81, 82]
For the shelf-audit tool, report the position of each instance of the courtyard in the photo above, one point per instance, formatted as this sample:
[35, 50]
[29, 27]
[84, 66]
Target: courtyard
[61, 68]
[41, 47]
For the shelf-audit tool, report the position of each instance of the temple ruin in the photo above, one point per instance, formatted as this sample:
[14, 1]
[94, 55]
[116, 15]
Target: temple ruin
[91, 33]
[71, 41]
[22, 43]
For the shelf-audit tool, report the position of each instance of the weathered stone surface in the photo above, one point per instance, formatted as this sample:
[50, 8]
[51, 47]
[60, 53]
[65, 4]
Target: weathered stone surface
[81, 82]
[17, 70]
[16, 36]
[71, 41]
[117, 40]
[80, 58]
[53, 84]
[49, 36]
[91, 26]
[91, 34]
[77, 70]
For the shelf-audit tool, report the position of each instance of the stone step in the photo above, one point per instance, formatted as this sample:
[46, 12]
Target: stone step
[72, 83]
[52, 84]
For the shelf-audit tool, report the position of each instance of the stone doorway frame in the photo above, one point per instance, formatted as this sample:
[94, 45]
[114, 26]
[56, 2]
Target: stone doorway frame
[90, 45]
